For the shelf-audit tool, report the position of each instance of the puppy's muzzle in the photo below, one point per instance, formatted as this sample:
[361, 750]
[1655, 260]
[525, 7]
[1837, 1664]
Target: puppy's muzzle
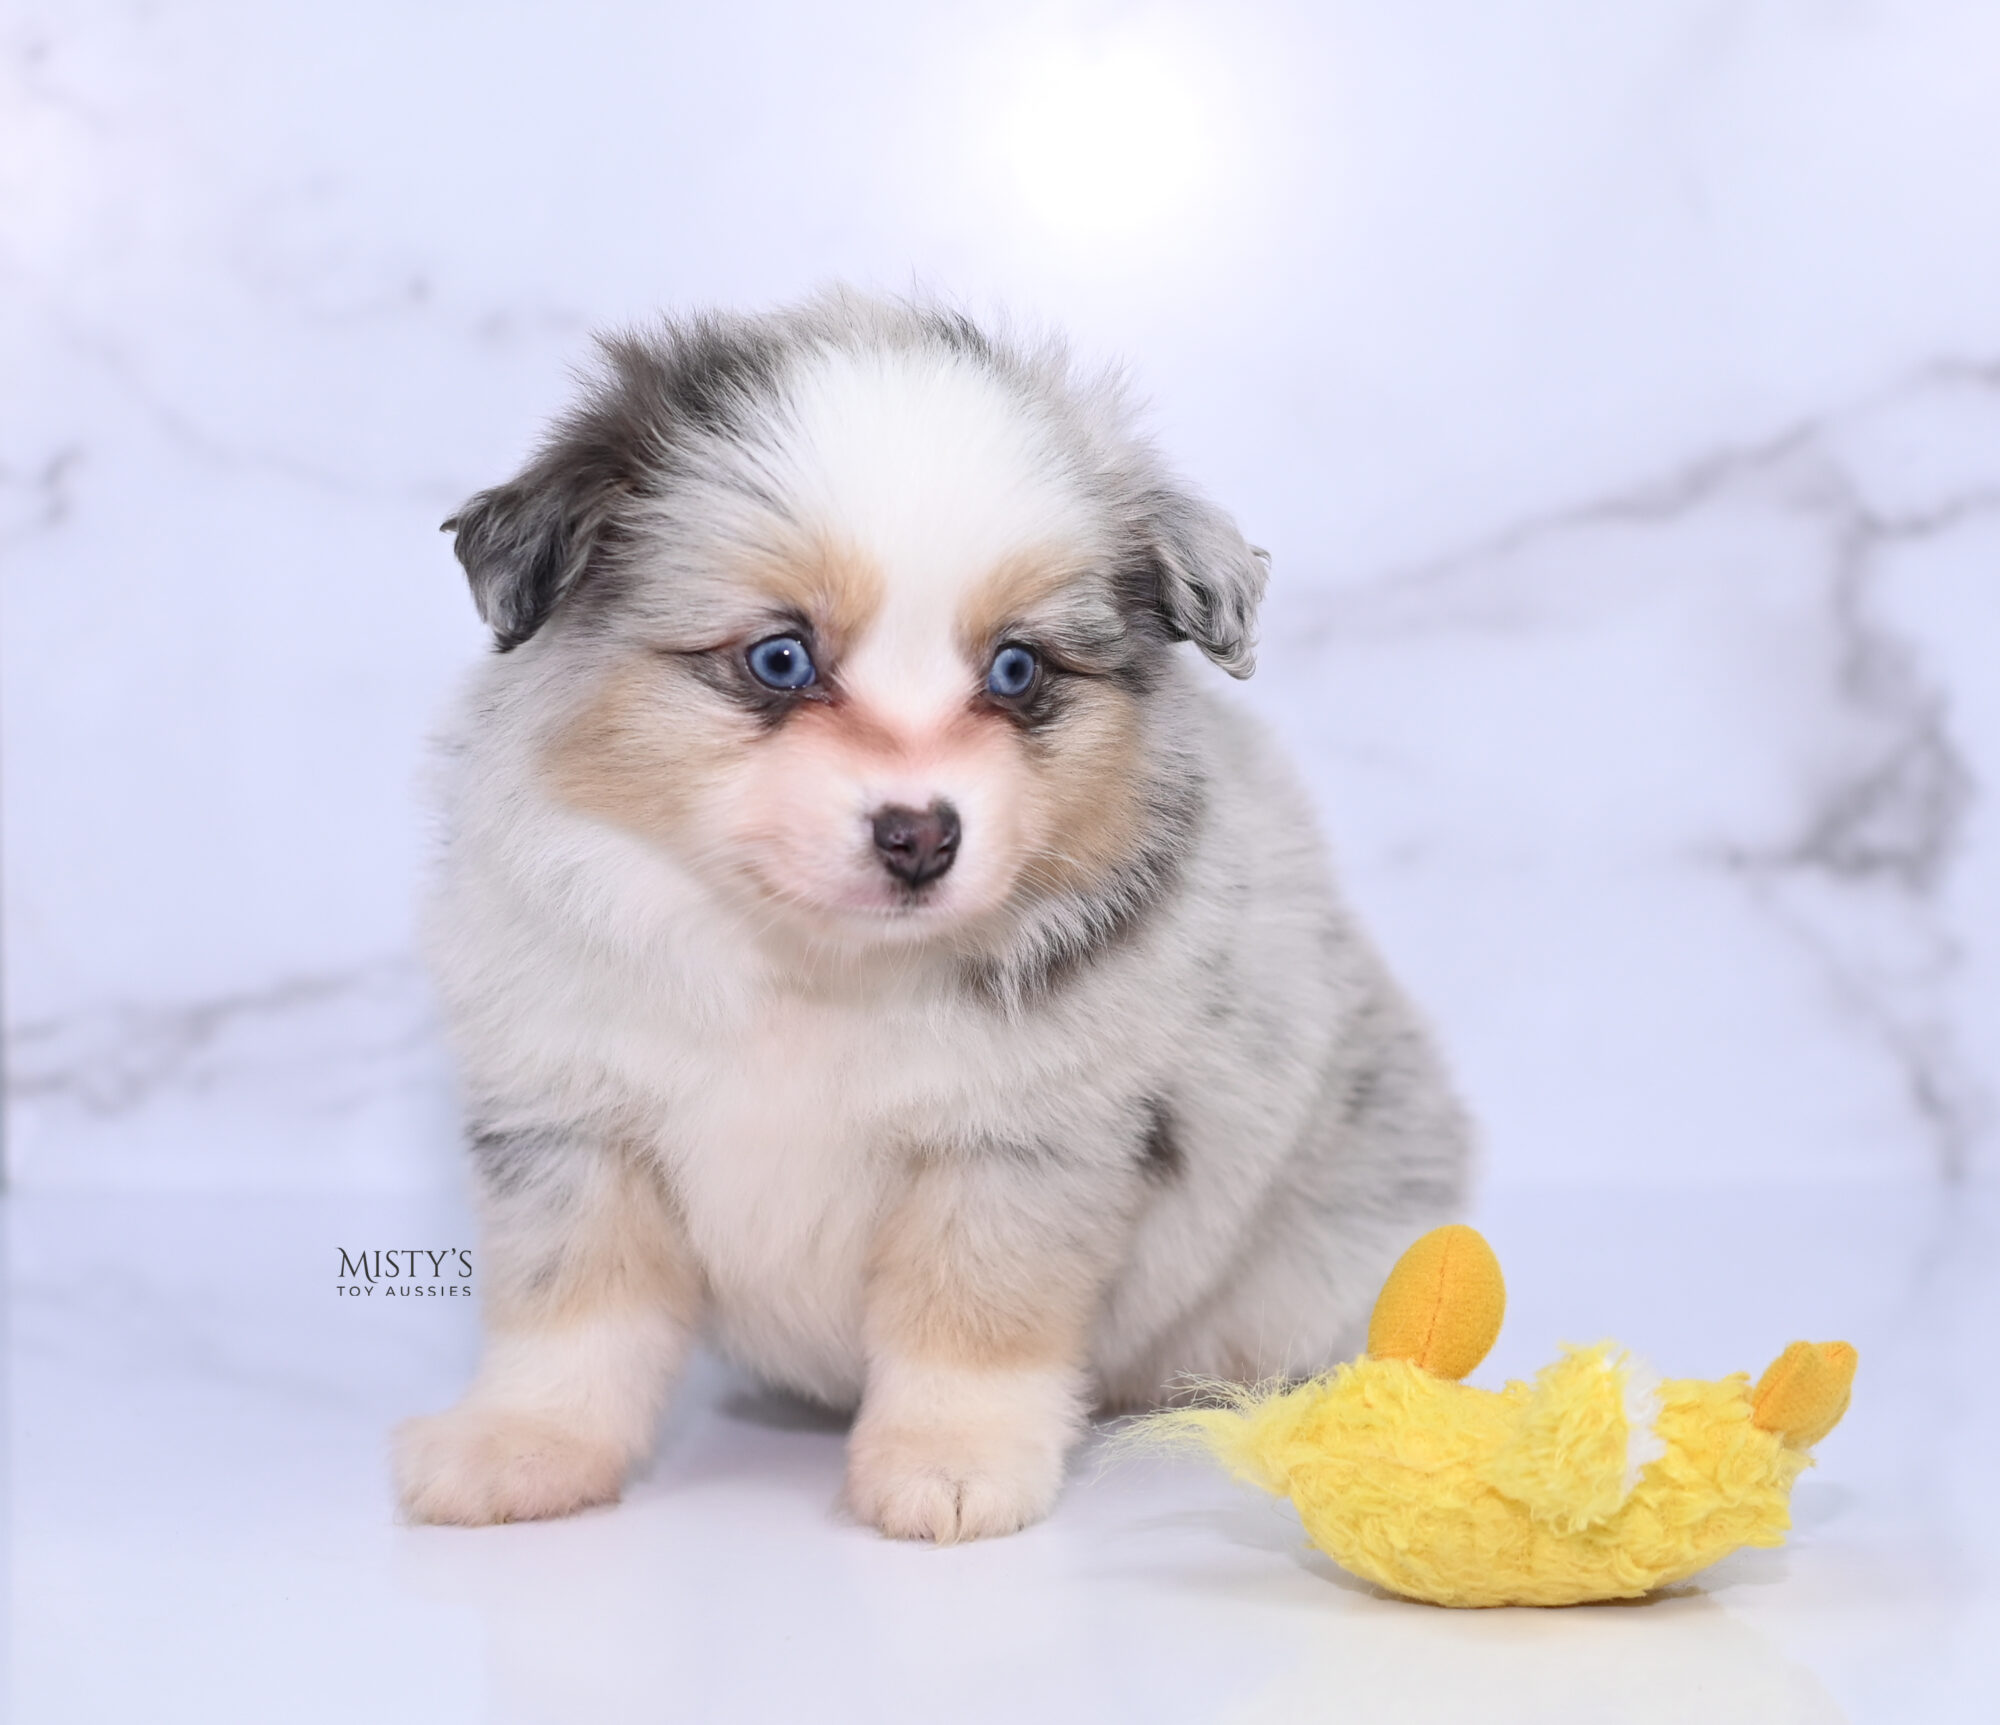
[916, 845]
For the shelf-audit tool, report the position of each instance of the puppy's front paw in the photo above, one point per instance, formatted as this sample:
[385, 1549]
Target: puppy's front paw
[947, 1482]
[474, 1466]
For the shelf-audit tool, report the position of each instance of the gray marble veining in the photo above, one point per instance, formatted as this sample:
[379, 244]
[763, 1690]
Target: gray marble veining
[1670, 787]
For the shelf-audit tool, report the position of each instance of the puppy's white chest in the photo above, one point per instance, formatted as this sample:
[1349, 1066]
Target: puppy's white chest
[785, 1156]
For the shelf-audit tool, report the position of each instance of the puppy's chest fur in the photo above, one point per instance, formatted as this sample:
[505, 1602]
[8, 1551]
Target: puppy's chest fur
[790, 1134]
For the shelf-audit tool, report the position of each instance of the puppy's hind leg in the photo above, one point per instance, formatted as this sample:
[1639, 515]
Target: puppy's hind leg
[592, 1298]
[1381, 1161]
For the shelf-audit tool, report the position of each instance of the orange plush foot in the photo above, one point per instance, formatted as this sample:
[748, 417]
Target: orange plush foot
[1805, 1391]
[1442, 1304]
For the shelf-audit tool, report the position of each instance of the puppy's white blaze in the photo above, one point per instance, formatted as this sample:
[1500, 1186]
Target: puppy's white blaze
[908, 675]
[931, 469]
[926, 468]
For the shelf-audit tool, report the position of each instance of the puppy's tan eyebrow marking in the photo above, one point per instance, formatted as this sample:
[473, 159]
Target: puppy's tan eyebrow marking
[839, 589]
[1019, 587]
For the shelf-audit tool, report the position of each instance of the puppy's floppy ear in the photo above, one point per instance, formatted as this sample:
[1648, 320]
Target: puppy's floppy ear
[528, 543]
[1209, 579]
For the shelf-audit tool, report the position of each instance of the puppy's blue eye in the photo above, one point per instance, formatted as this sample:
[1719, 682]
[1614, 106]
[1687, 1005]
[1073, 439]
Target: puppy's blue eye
[782, 662]
[1012, 673]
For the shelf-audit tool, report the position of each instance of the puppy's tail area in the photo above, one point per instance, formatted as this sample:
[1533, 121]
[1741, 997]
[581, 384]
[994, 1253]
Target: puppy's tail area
[1253, 1430]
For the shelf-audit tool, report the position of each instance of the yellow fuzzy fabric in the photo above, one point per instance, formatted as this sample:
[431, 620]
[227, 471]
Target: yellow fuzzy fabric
[1461, 1496]
[1564, 1458]
[1537, 1494]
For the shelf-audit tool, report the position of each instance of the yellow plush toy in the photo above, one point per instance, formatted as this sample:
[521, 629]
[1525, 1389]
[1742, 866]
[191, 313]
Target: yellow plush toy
[1597, 1481]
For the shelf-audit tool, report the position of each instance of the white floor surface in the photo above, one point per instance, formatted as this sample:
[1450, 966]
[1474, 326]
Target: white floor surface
[200, 1525]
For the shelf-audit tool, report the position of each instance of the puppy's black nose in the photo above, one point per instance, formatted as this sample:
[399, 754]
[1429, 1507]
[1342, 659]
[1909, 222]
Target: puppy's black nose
[916, 845]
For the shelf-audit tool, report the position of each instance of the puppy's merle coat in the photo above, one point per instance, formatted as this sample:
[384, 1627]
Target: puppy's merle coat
[869, 942]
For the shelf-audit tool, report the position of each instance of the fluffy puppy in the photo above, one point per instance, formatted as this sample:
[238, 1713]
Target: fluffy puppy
[868, 942]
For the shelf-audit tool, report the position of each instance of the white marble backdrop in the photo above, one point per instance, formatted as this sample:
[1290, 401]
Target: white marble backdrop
[1618, 389]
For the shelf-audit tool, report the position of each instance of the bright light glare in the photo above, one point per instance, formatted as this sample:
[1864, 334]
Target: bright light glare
[1114, 141]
